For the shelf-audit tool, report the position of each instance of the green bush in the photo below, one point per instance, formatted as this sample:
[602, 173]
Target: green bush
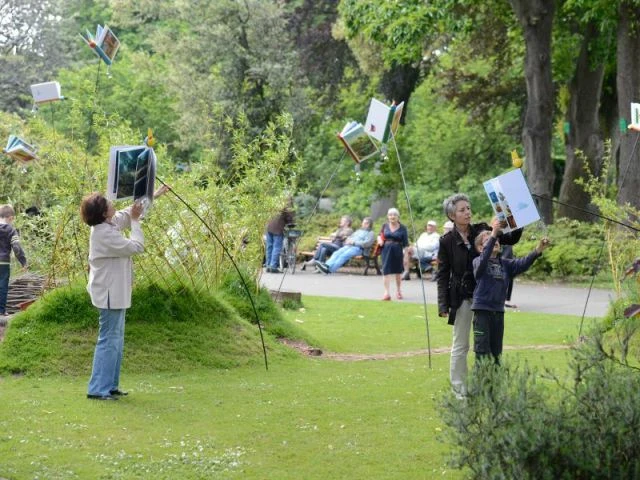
[573, 255]
[517, 423]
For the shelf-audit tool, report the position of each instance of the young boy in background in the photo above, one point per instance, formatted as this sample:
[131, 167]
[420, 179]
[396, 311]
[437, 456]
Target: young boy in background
[9, 240]
[492, 274]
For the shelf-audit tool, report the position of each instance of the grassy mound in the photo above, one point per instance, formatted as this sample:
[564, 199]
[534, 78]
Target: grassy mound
[165, 331]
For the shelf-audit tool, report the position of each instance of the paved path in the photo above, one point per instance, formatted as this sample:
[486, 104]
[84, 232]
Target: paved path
[543, 298]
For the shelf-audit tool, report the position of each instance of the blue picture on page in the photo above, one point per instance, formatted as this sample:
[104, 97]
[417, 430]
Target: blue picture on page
[132, 172]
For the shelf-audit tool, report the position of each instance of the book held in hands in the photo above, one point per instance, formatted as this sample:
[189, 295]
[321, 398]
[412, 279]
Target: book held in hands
[19, 150]
[105, 43]
[511, 200]
[132, 173]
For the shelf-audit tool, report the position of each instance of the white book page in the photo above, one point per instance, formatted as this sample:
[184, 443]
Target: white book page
[377, 119]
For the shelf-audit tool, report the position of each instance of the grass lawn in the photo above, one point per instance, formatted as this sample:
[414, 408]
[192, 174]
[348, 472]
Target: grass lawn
[308, 418]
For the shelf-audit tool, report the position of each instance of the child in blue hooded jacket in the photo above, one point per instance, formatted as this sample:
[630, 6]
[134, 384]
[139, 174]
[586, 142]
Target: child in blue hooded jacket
[493, 274]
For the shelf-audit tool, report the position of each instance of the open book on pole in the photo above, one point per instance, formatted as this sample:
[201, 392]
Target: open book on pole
[105, 43]
[46, 92]
[511, 200]
[383, 120]
[358, 144]
[132, 173]
[19, 150]
[361, 141]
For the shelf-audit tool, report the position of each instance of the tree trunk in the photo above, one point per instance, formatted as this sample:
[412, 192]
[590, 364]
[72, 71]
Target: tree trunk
[583, 144]
[536, 19]
[628, 87]
[399, 83]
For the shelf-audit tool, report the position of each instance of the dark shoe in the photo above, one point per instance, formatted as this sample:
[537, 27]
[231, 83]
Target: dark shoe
[406, 276]
[118, 393]
[101, 397]
[322, 267]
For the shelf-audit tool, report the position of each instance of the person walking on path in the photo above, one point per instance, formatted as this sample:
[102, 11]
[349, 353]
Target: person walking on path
[393, 239]
[456, 283]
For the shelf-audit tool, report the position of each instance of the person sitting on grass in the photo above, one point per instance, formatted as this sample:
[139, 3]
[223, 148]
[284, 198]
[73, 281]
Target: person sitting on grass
[358, 243]
[492, 274]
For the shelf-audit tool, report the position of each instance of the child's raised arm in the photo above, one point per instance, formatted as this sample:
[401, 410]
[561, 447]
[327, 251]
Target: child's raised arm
[496, 227]
[542, 245]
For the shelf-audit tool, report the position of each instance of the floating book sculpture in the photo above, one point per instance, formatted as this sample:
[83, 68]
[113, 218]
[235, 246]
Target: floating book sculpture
[105, 44]
[364, 141]
[635, 117]
[46, 92]
[19, 150]
[132, 173]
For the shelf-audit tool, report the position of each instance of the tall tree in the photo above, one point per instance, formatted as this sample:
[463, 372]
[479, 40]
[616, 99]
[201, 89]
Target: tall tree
[34, 44]
[583, 141]
[536, 20]
[628, 87]
[402, 37]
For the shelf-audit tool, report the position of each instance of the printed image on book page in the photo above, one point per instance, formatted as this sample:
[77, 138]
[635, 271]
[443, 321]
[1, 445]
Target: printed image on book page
[511, 200]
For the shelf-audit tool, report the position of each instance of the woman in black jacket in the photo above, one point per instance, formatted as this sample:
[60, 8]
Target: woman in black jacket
[456, 282]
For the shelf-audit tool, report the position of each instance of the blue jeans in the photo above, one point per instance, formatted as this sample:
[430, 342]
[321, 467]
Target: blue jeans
[342, 256]
[324, 251]
[107, 358]
[5, 271]
[274, 247]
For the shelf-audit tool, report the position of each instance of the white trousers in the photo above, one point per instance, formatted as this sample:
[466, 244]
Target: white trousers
[460, 347]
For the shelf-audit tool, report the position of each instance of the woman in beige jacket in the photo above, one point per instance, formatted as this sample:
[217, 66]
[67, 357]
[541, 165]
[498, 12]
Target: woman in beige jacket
[110, 284]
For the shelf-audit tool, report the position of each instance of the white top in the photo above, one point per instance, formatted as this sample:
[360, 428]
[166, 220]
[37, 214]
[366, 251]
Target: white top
[428, 243]
[110, 263]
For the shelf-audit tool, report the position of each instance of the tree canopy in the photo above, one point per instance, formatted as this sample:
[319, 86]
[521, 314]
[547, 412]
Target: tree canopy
[552, 79]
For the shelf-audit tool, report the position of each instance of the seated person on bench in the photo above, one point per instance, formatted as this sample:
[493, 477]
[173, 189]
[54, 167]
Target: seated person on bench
[425, 250]
[337, 241]
[358, 243]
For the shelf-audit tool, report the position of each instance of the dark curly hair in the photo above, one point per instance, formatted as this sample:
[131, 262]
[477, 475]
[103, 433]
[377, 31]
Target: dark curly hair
[93, 209]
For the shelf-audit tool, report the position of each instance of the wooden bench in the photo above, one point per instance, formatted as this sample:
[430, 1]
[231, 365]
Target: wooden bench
[370, 260]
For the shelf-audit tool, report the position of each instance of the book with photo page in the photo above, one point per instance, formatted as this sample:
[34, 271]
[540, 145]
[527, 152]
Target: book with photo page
[358, 144]
[132, 173]
[511, 200]
[19, 150]
[105, 43]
